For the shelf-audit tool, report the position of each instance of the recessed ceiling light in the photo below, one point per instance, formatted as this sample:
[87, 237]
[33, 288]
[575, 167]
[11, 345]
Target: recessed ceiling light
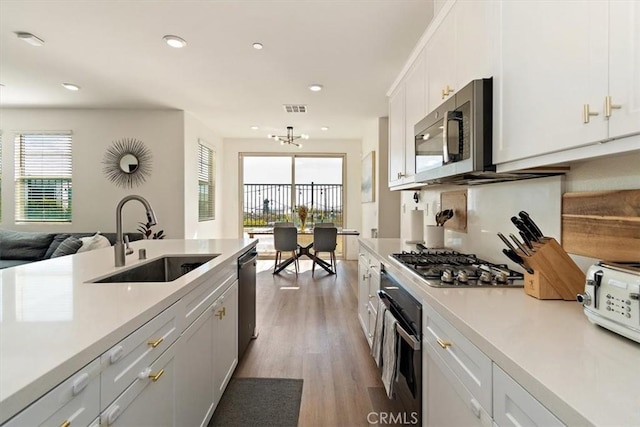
[174, 41]
[257, 46]
[30, 38]
[255, 127]
[71, 86]
[315, 88]
[324, 128]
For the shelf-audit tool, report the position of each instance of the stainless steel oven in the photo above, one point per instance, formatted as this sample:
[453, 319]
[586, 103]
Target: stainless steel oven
[407, 311]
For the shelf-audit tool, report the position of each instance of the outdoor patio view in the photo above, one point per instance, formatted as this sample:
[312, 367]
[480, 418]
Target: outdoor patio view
[276, 189]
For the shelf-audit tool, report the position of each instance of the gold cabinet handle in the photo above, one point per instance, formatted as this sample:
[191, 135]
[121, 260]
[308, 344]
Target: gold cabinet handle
[444, 344]
[608, 106]
[365, 276]
[156, 377]
[222, 313]
[586, 113]
[155, 343]
[67, 423]
[446, 91]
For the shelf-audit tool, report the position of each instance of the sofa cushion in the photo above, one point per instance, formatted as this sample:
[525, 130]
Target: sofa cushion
[94, 242]
[59, 238]
[69, 247]
[24, 245]
[6, 263]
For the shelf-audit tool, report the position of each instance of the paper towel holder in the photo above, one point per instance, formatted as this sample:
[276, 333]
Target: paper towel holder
[417, 233]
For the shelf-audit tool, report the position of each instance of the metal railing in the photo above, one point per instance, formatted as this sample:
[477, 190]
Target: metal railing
[265, 204]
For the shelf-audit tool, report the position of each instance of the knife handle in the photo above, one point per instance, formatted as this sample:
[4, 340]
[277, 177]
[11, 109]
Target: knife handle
[531, 224]
[521, 226]
[527, 241]
[517, 259]
[520, 245]
[507, 242]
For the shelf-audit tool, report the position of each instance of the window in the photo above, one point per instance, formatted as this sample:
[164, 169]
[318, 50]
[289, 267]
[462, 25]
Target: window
[206, 183]
[43, 177]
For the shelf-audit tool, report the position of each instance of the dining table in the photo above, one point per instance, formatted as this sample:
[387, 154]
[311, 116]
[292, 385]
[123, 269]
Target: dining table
[302, 250]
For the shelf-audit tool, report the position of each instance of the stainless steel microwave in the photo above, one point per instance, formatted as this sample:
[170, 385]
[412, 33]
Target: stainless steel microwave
[454, 142]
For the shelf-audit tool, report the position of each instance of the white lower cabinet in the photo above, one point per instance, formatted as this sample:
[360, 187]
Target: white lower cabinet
[368, 286]
[149, 401]
[75, 401]
[514, 406]
[225, 341]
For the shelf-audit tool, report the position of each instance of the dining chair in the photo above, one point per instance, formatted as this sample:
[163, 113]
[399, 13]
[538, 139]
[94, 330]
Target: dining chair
[285, 239]
[325, 239]
[283, 224]
[324, 224]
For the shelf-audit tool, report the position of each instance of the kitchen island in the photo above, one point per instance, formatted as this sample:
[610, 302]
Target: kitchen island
[583, 374]
[54, 321]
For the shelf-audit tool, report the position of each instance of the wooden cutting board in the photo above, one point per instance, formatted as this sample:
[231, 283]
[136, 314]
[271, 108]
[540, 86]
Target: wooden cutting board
[602, 224]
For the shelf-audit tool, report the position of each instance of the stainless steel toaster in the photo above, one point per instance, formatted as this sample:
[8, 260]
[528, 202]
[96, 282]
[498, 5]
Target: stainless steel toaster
[611, 297]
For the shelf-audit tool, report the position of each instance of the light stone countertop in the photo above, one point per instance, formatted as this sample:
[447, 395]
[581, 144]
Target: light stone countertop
[584, 374]
[52, 323]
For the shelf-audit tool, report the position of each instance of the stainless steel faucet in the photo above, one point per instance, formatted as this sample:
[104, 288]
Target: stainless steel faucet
[119, 245]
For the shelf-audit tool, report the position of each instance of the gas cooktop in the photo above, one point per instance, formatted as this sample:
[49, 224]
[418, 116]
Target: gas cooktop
[448, 269]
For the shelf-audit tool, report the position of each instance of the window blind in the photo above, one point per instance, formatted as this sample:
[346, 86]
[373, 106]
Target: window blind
[206, 184]
[43, 177]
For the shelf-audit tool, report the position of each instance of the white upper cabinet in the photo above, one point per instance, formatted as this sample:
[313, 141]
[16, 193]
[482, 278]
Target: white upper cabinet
[441, 62]
[624, 57]
[555, 79]
[415, 110]
[396, 136]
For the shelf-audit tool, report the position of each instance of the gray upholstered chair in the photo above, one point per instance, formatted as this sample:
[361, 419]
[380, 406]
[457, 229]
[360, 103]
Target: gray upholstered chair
[325, 239]
[285, 239]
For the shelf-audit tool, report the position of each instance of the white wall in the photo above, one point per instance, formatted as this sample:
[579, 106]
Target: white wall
[94, 196]
[194, 131]
[232, 227]
[370, 209]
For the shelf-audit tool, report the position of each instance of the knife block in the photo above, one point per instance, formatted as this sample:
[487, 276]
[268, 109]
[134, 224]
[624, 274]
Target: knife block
[555, 275]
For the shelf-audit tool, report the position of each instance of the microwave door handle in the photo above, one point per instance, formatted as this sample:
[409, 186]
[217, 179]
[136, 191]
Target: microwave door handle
[445, 139]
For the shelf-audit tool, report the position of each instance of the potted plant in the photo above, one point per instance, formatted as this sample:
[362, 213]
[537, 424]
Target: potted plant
[147, 232]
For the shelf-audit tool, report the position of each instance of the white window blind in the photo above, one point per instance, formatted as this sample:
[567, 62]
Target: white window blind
[206, 184]
[43, 177]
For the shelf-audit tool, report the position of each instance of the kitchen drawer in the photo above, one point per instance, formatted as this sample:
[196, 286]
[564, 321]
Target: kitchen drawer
[124, 361]
[374, 280]
[149, 401]
[514, 406]
[467, 362]
[76, 401]
[196, 302]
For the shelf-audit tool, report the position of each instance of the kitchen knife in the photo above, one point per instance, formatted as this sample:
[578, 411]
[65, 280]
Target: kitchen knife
[517, 259]
[507, 242]
[520, 225]
[520, 245]
[530, 224]
[527, 241]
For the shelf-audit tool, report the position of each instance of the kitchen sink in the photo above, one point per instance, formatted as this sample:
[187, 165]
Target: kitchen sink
[164, 269]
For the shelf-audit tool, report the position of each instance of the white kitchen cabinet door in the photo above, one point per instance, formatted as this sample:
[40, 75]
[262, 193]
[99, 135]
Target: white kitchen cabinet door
[441, 59]
[548, 74]
[195, 390]
[624, 56]
[415, 110]
[446, 402]
[225, 338]
[363, 294]
[476, 35]
[397, 136]
[149, 401]
[513, 406]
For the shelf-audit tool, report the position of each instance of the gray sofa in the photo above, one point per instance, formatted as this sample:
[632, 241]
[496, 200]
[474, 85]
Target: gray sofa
[22, 247]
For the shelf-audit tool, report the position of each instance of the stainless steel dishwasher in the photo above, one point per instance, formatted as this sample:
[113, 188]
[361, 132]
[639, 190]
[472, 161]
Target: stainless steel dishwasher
[246, 300]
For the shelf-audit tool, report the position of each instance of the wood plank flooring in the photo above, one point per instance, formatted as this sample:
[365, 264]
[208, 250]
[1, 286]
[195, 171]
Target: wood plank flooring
[308, 328]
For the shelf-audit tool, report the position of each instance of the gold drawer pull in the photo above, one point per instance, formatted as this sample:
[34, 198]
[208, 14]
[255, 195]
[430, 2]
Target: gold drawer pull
[155, 343]
[155, 377]
[444, 344]
[221, 313]
[67, 423]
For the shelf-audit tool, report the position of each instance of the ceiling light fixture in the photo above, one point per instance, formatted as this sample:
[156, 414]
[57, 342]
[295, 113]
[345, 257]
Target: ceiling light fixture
[315, 87]
[289, 138]
[30, 38]
[71, 87]
[254, 128]
[174, 41]
[257, 46]
[324, 128]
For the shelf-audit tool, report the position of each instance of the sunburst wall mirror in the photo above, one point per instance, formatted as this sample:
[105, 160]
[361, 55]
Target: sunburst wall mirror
[127, 163]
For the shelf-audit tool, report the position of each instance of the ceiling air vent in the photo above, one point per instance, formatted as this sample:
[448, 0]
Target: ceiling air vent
[295, 108]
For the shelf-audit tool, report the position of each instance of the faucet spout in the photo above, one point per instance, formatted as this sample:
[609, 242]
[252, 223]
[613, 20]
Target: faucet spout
[119, 246]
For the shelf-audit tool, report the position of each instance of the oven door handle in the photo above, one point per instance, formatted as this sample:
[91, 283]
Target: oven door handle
[410, 339]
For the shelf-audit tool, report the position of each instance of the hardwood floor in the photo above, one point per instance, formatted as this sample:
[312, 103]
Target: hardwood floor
[308, 328]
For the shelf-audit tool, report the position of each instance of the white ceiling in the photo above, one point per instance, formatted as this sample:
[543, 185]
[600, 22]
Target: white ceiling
[113, 50]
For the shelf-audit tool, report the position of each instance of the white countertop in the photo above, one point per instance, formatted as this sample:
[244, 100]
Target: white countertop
[584, 374]
[53, 323]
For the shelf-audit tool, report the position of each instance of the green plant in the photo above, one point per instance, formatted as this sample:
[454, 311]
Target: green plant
[147, 232]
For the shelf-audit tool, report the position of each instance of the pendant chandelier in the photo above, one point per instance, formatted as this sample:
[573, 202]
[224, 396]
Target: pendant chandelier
[289, 138]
